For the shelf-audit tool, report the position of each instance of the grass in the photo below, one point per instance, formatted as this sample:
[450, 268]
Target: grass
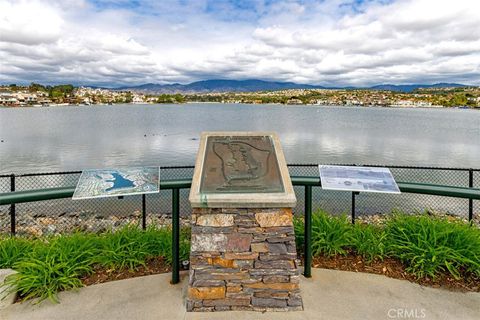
[430, 246]
[370, 241]
[332, 236]
[427, 246]
[12, 250]
[48, 265]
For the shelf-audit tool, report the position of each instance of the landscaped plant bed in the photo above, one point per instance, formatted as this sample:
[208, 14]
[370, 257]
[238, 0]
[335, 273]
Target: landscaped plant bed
[48, 265]
[429, 250]
[101, 274]
[393, 268]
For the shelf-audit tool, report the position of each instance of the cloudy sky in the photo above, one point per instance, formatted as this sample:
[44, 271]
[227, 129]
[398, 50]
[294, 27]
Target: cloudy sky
[329, 42]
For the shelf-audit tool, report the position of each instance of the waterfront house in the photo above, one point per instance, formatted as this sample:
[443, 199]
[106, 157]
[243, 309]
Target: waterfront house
[8, 100]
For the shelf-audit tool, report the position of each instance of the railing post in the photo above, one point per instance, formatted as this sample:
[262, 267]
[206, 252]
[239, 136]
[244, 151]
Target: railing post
[12, 207]
[353, 206]
[144, 212]
[307, 262]
[175, 236]
[470, 201]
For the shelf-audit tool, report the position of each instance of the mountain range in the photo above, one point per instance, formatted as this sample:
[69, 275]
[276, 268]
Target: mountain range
[219, 85]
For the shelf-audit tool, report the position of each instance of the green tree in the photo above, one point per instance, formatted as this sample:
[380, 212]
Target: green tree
[34, 87]
[60, 91]
[179, 98]
[128, 97]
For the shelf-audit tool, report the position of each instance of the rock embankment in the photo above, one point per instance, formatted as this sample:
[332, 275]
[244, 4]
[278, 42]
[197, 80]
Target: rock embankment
[31, 224]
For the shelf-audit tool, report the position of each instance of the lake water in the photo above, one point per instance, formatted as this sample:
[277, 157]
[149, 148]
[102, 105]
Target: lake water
[75, 138]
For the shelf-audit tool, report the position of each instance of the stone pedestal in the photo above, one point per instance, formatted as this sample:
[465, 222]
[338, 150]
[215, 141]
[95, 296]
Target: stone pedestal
[243, 259]
[243, 254]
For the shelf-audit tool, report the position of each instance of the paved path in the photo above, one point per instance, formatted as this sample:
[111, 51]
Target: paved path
[327, 295]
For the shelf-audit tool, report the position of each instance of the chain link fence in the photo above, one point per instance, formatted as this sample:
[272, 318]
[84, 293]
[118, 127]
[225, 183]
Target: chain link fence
[66, 215]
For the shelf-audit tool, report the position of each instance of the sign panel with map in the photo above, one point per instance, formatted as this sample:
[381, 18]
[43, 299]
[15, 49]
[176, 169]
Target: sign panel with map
[359, 179]
[241, 169]
[246, 164]
[101, 183]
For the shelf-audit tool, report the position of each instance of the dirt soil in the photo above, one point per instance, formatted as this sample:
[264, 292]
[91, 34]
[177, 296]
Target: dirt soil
[394, 269]
[351, 262]
[100, 274]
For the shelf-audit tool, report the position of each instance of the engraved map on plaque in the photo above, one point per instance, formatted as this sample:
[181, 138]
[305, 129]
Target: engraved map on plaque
[240, 164]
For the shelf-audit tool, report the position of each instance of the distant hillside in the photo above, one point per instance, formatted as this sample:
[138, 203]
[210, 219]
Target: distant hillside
[217, 85]
[413, 87]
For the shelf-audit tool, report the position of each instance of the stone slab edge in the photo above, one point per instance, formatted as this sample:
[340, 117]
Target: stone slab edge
[6, 298]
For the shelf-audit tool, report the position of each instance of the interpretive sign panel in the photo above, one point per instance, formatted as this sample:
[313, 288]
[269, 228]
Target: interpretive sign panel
[245, 169]
[240, 164]
[360, 179]
[101, 183]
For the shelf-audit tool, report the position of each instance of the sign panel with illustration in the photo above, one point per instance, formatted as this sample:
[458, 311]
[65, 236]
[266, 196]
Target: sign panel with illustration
[241, 169]
[101, 183]
[246, 164]
[359, 179]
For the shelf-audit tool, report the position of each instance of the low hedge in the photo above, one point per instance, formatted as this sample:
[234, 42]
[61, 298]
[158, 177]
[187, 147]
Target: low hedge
[427, 246]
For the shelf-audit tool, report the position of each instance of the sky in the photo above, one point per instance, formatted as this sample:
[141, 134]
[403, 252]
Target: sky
[329, 42]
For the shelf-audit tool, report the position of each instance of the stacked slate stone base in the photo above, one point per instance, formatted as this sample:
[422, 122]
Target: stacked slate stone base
[243, 259]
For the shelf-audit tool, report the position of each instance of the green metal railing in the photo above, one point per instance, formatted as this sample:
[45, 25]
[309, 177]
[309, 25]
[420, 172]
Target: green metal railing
[308, 182]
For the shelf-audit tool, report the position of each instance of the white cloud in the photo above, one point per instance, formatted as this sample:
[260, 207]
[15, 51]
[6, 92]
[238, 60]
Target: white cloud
[331, 42]
[29, 22]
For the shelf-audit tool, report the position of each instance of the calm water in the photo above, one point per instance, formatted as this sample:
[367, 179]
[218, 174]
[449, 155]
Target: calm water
[74, 138]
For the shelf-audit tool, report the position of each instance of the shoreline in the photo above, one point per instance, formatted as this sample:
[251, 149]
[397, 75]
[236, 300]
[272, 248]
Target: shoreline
[255, 104]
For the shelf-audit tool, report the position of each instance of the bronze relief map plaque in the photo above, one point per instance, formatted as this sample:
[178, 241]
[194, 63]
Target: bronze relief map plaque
[240, 164]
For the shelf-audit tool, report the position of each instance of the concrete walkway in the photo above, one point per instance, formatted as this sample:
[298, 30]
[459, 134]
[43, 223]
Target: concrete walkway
[327, 295]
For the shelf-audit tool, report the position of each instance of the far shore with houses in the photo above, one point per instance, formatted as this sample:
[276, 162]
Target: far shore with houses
[80, 96]
[62, 95]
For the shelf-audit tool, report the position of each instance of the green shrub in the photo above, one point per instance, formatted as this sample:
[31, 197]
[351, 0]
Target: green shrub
[369, 241]
[330, 235]
[159, 243]
[299, 227]
[13, 249]
[429, 245]
[54, 265]
[426, 245]
[123, 248]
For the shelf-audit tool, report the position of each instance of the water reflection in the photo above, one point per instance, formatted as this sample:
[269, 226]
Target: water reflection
[74, 138]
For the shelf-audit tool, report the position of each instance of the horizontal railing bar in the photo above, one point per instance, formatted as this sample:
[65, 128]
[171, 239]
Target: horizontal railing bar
[36, 195]
[290, 165]
[439, 190]
[306, 181]
[175, 184]
[407, 187]
[423, 188]
[58, 173]
[66, 192]
[381, 166]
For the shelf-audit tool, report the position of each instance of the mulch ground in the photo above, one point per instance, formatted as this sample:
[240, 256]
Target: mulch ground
[351, 262]
[100, 274]
[394, 269]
